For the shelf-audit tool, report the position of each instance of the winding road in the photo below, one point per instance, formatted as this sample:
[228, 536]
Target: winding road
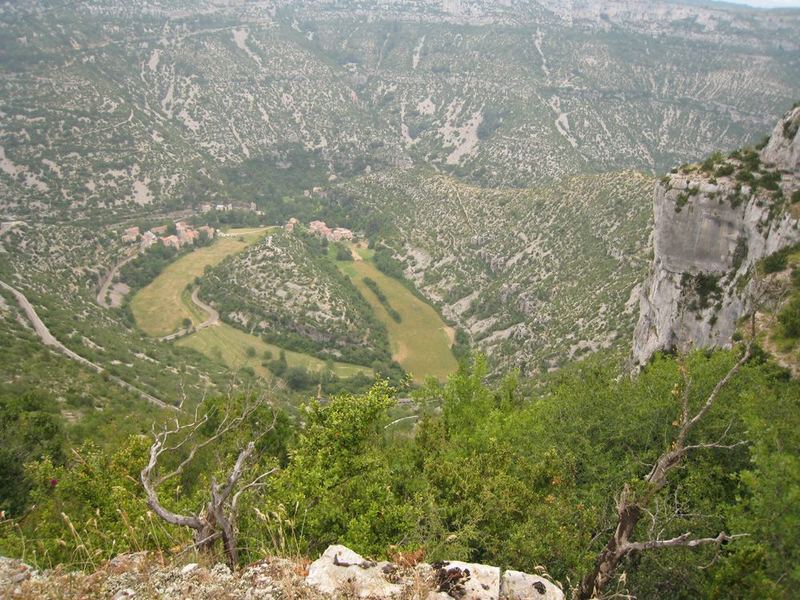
[48, 339]
[102, 293]
[213, 319]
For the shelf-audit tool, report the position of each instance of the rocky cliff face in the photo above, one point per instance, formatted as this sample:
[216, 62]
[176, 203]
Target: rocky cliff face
[713, 222]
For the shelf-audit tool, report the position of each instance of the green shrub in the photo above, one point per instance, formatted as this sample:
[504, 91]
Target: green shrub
[777, 261]
[373, 286]
[789, 318]
[343, 252]
[681, 201]
[740, 252]
[713, 160]
[724, 170]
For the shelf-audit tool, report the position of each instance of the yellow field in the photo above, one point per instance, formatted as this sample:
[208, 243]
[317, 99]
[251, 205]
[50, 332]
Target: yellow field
[421, 341]
[223, 343]
[159, 309]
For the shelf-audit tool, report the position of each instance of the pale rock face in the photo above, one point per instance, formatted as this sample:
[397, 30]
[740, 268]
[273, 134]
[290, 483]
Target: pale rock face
[713, 235]
[523, 586]
[783, 149]
[339, 569]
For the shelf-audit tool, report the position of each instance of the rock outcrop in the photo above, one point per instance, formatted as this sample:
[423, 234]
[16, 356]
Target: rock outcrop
[338, 573]
[340, 569]
[713, 222]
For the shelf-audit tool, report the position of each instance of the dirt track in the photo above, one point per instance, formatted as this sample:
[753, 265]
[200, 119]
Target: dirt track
[102, 293]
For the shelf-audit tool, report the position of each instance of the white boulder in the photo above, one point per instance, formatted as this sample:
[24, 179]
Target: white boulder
[523, 586]
[341, 571]
[468, 581]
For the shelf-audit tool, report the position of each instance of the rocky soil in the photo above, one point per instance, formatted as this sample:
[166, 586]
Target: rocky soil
[339, 573]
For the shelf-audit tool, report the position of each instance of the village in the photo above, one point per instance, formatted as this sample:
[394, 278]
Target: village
[320, 229]
[184, 234]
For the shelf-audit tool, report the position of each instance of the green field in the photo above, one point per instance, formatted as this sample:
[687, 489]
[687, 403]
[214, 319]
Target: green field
[421, 341]
[229, 346]
[159, 308]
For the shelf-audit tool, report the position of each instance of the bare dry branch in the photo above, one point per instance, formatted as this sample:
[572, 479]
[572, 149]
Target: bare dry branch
[630, 509]
[217, 519]
[685, 540]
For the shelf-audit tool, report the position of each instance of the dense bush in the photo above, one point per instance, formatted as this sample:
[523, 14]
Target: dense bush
[343, 252]
[724, 170]
[491, 475]
[778, 261]
[789, 318]
[387, 263]
[31, 429]
[147, 266]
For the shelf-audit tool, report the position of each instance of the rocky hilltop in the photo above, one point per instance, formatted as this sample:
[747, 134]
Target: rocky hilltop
[713, 222]
[338, 573]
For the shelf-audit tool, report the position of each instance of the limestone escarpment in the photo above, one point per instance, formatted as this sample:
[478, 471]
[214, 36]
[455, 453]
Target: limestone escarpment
[713, 222]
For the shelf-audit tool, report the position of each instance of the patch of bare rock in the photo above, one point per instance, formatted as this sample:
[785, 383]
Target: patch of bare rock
[339, 573]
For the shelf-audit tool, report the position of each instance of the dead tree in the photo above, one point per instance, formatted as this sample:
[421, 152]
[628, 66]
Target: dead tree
[216, 519]
[631, 507]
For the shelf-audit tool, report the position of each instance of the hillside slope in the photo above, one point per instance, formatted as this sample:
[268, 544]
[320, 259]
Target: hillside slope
[534, 276]
[202, 92]
[286, 288]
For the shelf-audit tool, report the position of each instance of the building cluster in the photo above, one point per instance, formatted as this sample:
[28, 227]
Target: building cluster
[185, 234]
[252, 207]
[332, 235]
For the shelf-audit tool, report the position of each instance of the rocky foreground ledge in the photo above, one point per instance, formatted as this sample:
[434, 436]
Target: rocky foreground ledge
[339, 573]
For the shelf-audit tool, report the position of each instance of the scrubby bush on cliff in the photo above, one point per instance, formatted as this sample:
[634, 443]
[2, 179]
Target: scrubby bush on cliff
[789, 318]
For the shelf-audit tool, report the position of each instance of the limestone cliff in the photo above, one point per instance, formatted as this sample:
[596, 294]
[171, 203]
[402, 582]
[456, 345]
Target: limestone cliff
[713, 222]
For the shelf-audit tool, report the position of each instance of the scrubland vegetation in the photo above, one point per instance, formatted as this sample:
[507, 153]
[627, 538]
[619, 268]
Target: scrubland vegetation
[502, 473]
